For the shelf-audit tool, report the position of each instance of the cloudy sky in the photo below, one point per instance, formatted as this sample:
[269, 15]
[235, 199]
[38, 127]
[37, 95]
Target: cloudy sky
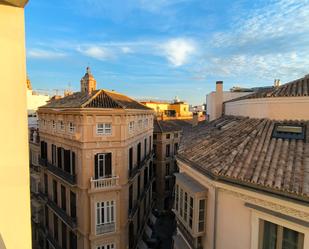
[165, 48]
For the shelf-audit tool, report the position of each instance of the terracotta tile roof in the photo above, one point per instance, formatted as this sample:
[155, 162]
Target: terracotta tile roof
[244, 150]
[296, 88]
[97, 99]
[160, 126]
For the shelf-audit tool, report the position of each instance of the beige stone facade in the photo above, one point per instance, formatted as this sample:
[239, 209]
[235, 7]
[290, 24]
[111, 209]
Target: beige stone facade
[166, 139]
[96, 170]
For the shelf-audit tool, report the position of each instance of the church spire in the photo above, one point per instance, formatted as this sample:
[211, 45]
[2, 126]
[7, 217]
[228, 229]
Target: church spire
[88, 83]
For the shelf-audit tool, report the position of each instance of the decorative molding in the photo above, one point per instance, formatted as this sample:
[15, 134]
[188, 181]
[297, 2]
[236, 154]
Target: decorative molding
[268, 204]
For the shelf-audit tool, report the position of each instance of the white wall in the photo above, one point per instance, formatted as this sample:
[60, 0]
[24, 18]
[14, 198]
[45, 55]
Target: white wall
[279, 108]
[212, 102]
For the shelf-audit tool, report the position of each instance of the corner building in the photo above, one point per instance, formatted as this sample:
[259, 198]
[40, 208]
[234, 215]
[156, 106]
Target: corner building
[96, 169]
[243, 180]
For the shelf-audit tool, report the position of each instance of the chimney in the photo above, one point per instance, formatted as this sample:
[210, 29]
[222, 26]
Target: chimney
[219, 86]
[277, 83]
[195, 119]
[88, 83]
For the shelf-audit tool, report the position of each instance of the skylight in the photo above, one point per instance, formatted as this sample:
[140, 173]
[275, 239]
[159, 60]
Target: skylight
[289, 131]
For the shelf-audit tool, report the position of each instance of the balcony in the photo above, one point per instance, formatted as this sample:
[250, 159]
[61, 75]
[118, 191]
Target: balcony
[139, 200]
[105, 228]
[71, 179]
[137, 168]
[42, 161]
[104, 183]
[70, 221]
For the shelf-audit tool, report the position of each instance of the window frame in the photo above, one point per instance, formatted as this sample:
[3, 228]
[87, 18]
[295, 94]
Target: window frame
[72, 127]
[109, 213]
[104, 130]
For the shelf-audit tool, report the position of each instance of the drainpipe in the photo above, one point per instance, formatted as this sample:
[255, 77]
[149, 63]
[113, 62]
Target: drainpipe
[215, 219]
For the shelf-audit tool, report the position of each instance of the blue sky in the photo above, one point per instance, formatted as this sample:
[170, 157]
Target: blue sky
[160, 49]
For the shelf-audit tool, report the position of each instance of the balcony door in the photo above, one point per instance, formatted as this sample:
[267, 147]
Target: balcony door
[103, 165]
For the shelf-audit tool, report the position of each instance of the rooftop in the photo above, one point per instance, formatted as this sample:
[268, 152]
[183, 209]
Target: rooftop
[296, 88]
[249, 151]
[96, 99]
[160, 126]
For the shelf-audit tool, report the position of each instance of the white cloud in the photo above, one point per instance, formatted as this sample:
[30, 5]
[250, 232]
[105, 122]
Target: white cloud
[44, 54]
[178, 51]
[96, 52]
[264, 43]
[126, 50]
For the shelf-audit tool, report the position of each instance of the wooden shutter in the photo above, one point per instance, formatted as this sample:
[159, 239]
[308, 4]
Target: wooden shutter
[96, 170]
[73, 163]
[59, 157]
[108, 164]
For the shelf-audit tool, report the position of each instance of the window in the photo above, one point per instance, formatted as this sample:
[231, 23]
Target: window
[131, 197]
[131, 158]
[60, 157]
[138, 186]
[54, 124]
[154, 136]
[103, 165]
[181, 202]
[185, 207]
[63, 198]
[104, 128]
[145, 147]
[43, 150]
[167, 185]
[146, 122]
[168, 150]
[177, 197]
[46, 217]
[55, 194]
[61, 125]
[140, 123]
[54, 154]
[191, 212]
[139, 153]
[175, 148]
[278, 237]
[64, 235]
[201, 216]
[168, 136]
[131, 126]
[73, 240]
[105, 212]
[73, 204]
[107, 246]
[167, 169]
[56, 237]
[71, 127]
[176, 135]
[45, 184]
[150, 143]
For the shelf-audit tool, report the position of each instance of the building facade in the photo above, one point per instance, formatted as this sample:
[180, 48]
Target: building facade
[96, 169]
[15, 226]
[170, 110]
[243, 182]
[166, 140]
